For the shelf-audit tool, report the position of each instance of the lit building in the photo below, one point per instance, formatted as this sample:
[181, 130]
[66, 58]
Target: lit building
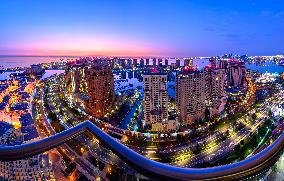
[17, 127]
[191, 94]
[168, 126]
[34, 168]
[154, 61]
[129, 63]
[35, 70]
[76, 79]
[197, 91]
[155, 99]
[160, 61]
[100, 81]
[212, 62]
[178, 62]
[166, 62]
[122, 63]
[142, 62]
[188, 62]
[147, 61]
[236, 72]
[135, 62]
[217, 90]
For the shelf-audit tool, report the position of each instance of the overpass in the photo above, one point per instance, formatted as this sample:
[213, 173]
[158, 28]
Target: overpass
[244, 169]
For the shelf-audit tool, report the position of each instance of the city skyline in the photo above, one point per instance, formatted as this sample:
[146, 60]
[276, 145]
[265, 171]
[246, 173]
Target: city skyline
[141, 90]
[141, 28]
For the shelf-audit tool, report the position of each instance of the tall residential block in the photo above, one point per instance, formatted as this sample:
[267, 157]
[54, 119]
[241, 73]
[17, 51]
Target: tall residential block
[197, 91]
[100, 81]
[155, 98]
[191, 95]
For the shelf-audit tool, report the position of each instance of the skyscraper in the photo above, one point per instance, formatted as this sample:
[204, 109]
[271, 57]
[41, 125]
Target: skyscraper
[212, 62]
[135, 61]
[154, 61]
[236, 73]
[75, 79]
[235, 70]
[129, 63]
[160, 61]
[178, 62]
[191, 94]
[147, 61]
[188, 62]
[197, 91]
[142, 62]
[216, 91]
[155, 99]
[166, 62]
[100, 81]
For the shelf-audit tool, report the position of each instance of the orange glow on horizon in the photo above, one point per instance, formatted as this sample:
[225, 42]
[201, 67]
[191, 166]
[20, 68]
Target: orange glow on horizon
[85, 46]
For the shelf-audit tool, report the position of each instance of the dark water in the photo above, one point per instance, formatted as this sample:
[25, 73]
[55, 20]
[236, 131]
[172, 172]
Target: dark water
[268, 66]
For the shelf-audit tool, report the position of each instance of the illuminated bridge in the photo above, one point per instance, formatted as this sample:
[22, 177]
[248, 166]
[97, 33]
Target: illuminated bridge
[242, 170]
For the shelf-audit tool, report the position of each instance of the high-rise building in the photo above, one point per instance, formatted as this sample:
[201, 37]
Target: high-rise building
[75, 79]
[217, 90]
[236, 73]
[235, 70]
[135, 62]
[191, 94]
[178, 62]
[130, 74]
[154, 61]
[129, 63]
[147, 61]
[212, 62]
[123, 75]
[100, 81]
[188, 62]
[122, 63]
[142, 62]
[160, 61]
[197, 91]
[155, 99]
[166, 62]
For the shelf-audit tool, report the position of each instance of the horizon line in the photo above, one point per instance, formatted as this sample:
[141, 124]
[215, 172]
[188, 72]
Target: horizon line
[119, 56]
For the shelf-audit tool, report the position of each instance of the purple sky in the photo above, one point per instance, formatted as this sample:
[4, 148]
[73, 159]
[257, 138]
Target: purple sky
[141, 27]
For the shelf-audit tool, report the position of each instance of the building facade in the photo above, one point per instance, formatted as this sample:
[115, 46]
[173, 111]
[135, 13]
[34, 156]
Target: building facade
[191, 95]
[100, 82]
[216, 90]
[155, 98]
[76, 79]
[236, 72]
[197, 91]
[178, 62]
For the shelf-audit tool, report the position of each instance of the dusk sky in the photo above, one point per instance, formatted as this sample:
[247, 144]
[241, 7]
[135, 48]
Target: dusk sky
[141, 27]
